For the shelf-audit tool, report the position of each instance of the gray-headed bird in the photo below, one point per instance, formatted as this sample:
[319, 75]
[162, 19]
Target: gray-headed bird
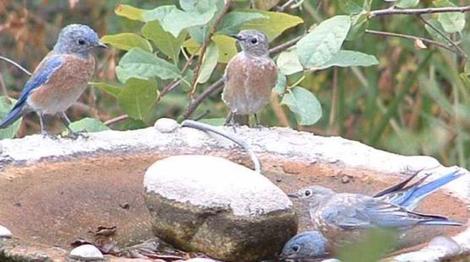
[60, 78]
[249, 78]
[343, 217]
[305, 246]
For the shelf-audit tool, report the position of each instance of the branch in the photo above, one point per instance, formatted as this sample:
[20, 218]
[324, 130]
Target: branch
[462, 52]
[424, 40]
[419, 11]
[219, 84]
[116, 120]
[206, 43]
[15, 64]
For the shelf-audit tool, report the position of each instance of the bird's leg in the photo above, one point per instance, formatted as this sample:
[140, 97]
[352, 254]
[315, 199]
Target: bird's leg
[67, 122]
[229, 119]
[257, 123]
[42, 123]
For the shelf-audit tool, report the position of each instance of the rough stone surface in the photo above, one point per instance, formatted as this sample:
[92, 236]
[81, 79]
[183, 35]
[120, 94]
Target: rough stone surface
[166, 125]
[86, 253]
[212, 205]
[5, 232]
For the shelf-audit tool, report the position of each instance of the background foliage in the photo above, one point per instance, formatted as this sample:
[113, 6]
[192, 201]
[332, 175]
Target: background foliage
[412, 98]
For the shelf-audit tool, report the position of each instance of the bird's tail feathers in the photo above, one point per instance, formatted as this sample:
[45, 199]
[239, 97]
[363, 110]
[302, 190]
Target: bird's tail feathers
[12, 116]
[438, 222]
[424, 190]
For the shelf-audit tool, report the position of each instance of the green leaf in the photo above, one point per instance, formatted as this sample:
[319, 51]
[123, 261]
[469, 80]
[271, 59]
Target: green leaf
[434, 34]
[288, 62]
[166, 42]
[138, 63]
[232, 22]
[345, 58]
[138, 97]
[126, 41]
[281, 83]
[371, 248]
[323, 42]
[108, 88]
[130, 12]
[350, 6]
[213, 121]
[359, 25]
[89, 125]
[406, 3]
[451, 22]
[174, 20]
[304, 104]
[171, 18]
[227, 47]
[273, 24]
[5, 105]
[208, 64]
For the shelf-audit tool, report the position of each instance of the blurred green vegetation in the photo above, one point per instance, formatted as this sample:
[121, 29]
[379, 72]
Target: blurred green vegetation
[416, 101]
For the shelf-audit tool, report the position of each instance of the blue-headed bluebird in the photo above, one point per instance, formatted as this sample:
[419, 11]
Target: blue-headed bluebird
[343, 217]
[249, 77]
[409, 196]
[60, 78]
[305, 246]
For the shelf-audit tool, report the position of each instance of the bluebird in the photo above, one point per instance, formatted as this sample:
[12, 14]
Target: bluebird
[409, 196]
[60, 78]
[343, 217]
[249, 77]
[305, 246]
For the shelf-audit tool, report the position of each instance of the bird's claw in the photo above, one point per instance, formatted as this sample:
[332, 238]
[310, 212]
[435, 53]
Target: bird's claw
[76, 135]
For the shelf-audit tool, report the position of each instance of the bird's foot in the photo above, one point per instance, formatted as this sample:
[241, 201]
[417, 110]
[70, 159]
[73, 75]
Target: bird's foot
[76, 135]
[46, 135]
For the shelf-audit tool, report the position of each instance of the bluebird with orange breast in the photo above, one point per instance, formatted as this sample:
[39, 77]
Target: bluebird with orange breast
[60, 78]
[249, 78]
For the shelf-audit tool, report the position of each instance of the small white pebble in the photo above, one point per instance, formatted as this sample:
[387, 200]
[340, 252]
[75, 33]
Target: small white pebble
[86, 253]
[4, 232]
[166, 125]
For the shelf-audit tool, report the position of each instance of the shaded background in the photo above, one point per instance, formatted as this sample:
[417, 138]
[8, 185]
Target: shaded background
[428, 103]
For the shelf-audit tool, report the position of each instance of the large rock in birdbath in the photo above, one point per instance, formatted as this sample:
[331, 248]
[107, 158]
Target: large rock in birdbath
[212, 205]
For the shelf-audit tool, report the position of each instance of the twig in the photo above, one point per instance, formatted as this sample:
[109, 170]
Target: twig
[424, 40]
[285, 5]
[115, 120]
[462, 52]
[241, 143]
[419, 11]
[284, 46]
[218, 85]
[15, 64]
[176, 83]
[204, 46]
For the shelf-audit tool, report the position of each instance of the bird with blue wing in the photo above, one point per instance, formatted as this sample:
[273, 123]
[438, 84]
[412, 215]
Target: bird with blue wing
[59, 79]
[343, 217]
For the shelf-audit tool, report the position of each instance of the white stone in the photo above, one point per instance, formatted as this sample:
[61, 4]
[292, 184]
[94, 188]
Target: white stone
[4, 232]
[209, 181]
[166, 125]
[86, 253]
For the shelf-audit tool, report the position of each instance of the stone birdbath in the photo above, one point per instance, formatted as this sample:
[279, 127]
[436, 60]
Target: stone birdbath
[56, 191]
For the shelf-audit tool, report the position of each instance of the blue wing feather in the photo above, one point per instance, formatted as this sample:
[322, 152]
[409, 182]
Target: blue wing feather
[42, 74]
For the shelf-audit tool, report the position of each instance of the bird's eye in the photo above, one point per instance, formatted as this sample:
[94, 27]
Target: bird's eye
[254, 40]
[295, 248]
[308, 193]
[81, 41]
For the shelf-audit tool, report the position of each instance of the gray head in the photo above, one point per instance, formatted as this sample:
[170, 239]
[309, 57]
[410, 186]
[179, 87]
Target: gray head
[313, 194]
[77, 39]
[308, 244]
[253, 42]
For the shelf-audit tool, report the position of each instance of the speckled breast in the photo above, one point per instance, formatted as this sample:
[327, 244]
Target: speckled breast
[248, 84]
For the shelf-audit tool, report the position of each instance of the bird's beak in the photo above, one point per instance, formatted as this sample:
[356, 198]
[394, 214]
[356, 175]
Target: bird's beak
[102, 45]
[293, 195]
[238, 37]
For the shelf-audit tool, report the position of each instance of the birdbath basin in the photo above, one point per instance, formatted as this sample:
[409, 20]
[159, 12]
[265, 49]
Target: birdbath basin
[58, 191]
